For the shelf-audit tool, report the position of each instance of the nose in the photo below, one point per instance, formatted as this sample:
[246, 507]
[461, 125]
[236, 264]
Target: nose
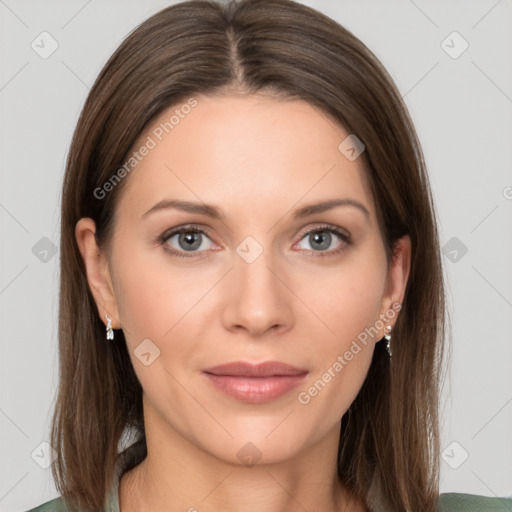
[257, 299]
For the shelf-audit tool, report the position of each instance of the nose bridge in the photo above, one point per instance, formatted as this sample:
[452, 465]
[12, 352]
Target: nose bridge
[257, 300]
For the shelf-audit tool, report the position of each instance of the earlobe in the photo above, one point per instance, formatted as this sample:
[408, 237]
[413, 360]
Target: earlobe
[97, 271]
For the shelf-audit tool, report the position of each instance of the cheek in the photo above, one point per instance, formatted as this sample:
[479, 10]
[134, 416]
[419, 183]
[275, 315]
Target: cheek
[348, 297]
[154, 295]
[160, 302]
[348, 301]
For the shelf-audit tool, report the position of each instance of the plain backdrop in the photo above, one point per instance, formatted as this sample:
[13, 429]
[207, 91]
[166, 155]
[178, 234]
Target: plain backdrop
[452, 63]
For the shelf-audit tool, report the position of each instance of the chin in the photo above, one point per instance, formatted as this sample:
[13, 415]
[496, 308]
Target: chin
[249, 449]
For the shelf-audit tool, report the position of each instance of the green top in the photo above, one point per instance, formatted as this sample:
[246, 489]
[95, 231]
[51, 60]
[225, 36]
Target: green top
[449, 502]
[455, 502]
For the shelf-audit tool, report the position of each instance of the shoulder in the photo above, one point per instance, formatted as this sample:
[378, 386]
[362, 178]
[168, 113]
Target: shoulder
[59, 505]
[56, 505]
[455, 502]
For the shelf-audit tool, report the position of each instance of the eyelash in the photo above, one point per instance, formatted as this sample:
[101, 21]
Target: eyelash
[193, 229]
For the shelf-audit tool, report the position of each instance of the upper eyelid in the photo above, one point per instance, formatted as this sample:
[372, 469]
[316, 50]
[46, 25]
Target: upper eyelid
[302, 233]
[326, 227]
[168, 233]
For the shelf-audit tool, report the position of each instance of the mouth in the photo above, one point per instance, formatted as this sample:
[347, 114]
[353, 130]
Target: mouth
[255, 383]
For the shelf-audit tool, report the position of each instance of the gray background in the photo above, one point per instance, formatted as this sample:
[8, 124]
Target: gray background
[462, 110]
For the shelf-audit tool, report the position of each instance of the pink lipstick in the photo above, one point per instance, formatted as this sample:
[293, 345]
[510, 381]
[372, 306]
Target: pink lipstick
[255, 383]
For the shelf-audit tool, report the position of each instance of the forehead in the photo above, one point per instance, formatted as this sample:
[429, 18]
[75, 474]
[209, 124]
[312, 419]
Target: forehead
[256, 149]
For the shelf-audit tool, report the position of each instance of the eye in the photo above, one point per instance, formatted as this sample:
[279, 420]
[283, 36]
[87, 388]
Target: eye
[186, 240]
[324, 239]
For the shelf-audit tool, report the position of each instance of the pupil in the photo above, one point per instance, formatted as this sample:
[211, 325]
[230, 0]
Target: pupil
[189, 240]
[321, 238]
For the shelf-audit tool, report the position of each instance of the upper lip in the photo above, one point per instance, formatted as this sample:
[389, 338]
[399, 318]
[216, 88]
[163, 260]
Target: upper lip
[265, 369]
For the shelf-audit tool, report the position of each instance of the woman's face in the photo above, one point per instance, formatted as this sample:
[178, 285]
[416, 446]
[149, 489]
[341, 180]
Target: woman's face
[280, 259]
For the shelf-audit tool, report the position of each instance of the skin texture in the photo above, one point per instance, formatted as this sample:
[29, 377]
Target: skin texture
[257, 159]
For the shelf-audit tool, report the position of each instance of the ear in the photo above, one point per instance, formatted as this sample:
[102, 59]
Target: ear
[398, 275]
[97, 271]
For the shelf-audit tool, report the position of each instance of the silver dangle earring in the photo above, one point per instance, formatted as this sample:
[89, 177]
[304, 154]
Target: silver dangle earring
[387, 336]
[110, 332]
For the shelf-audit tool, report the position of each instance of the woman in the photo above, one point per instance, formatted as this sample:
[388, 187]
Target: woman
[247, 220]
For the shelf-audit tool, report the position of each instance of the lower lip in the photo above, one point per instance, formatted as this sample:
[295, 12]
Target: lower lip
[253, 389]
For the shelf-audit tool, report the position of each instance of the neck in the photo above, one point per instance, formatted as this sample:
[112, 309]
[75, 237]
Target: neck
[177, 476]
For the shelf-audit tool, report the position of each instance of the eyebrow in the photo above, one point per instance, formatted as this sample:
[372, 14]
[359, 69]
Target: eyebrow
[323, 206]
[214, 212]
[186, 206]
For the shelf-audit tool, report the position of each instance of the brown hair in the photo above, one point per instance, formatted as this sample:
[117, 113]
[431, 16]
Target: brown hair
[390, 433]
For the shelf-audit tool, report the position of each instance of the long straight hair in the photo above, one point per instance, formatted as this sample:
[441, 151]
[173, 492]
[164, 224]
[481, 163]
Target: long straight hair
[389, 437]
